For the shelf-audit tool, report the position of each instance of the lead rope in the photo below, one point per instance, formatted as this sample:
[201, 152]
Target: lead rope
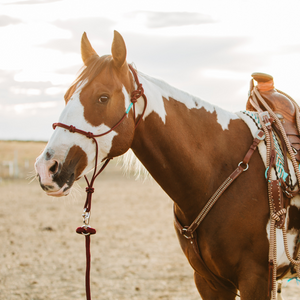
[86, 229]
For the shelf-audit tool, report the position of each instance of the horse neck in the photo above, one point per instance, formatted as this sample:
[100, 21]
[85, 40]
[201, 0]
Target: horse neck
[181, 141]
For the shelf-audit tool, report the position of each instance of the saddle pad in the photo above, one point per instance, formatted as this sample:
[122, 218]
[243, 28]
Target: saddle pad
[252, 121]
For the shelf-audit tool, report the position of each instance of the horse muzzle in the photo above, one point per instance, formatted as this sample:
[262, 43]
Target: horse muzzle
[47, 172]
[57, 175]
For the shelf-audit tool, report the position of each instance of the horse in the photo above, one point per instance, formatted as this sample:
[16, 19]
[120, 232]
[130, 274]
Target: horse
[189, 147]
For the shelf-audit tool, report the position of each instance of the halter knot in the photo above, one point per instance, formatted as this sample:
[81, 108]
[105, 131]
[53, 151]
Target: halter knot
[137, 93]
[86, 230]
[89, 135]
[89, 190]
[72, 128]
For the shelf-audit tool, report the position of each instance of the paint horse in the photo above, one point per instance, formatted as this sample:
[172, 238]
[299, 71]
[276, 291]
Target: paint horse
[189, 147]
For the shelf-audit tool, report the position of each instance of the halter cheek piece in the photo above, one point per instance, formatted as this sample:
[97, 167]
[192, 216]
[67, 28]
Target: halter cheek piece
[86, 229]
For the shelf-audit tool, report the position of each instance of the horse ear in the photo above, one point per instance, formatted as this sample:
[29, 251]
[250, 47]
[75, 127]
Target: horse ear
[87, 50]
[118, 50]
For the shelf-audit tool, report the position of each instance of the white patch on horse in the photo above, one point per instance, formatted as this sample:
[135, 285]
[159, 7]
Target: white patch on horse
[127, 98]
[156, 89]
[62, 140]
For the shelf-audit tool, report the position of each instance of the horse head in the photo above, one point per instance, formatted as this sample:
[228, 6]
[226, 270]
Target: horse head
[95, 102]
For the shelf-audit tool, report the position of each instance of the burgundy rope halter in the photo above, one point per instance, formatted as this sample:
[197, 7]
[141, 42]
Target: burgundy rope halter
[87, 230]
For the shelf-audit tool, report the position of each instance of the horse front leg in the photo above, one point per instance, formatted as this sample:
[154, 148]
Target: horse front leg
[212, 290]
[254, 285]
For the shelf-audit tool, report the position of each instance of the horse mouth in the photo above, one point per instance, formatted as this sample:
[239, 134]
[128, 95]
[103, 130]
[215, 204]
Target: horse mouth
[58, 189]
[64, 191]
[57, 177]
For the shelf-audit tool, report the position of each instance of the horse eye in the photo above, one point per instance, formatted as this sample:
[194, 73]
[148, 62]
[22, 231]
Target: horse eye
[103, 98]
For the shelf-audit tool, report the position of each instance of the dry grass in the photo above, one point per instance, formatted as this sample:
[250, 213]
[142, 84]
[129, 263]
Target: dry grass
[20, 154]
[135, 253]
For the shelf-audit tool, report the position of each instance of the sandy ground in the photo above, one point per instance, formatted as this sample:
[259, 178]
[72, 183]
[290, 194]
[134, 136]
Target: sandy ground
[135, 253]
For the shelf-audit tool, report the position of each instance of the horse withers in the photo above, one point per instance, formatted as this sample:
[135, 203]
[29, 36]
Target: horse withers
[189, 147]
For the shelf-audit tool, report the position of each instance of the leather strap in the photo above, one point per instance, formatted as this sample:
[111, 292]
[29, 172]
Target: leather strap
[187, 231]
[277, 201]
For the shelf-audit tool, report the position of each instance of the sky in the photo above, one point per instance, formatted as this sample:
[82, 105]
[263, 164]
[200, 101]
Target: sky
[206, 48]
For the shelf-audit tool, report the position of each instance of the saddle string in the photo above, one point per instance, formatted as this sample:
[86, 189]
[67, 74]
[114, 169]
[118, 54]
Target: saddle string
[276, 216]
[272, 247]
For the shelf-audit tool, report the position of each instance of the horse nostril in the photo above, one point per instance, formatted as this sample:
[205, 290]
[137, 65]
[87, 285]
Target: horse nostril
[54, 168]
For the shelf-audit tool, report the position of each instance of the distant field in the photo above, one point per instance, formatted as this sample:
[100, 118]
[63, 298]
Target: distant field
[17, 158]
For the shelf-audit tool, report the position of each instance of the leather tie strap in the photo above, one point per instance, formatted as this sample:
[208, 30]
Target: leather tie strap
[187, 231]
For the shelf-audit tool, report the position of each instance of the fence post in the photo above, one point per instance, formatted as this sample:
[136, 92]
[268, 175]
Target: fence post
[16, 167]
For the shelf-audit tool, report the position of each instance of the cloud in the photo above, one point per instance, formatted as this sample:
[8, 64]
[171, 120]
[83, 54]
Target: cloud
[196, 64]
[172, 19]
[29, 122]
[13, 92]
[98, 29]
[31, 2]
[6, 20]
[181, 61]
[173, 54]
[27, 109]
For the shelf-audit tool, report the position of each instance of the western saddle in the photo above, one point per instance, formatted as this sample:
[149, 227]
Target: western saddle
[281, 104]
[280, 114]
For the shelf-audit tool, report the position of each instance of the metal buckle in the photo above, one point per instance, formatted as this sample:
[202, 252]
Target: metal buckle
[265, 117]
[184, 229]
[244, 169]
[86, 217]
[257, 136]
[294, 150]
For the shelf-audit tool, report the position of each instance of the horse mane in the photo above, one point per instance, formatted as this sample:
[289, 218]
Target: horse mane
[88, 73]
[132, 166]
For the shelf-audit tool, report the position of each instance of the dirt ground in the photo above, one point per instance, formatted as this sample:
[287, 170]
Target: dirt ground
[135, 253]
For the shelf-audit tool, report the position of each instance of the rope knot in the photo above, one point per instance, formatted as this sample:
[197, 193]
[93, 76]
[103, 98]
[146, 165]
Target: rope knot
[89, 190]
[276, 216]
[72, 129]
[85, 230]
[137, 93]
[89, 135]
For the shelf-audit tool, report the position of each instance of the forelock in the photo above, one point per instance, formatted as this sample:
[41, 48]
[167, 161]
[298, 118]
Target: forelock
[88, 73]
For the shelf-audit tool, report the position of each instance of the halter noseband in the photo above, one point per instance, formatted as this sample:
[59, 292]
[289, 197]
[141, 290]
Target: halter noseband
[86, 229]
